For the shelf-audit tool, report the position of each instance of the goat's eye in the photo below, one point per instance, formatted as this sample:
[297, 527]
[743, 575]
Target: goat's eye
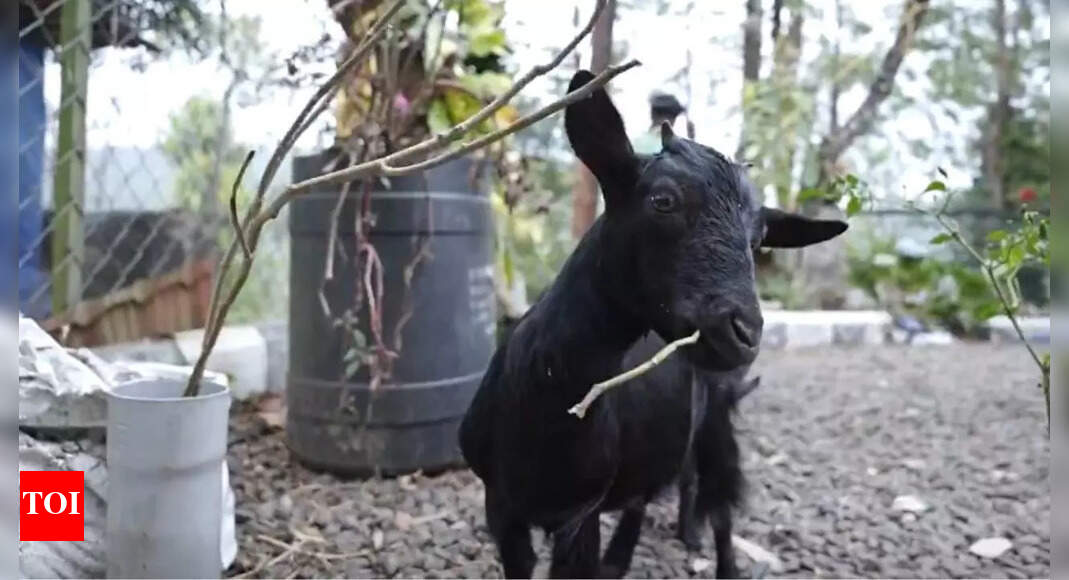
[663, 202]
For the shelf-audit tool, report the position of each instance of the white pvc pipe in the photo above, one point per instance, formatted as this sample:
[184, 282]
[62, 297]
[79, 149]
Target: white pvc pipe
[165, 461]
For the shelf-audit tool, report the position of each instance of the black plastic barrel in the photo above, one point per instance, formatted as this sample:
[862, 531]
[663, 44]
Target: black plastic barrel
[409, 422]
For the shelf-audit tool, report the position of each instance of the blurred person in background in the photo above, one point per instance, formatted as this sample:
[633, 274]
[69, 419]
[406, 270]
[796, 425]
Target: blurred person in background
[663, 107]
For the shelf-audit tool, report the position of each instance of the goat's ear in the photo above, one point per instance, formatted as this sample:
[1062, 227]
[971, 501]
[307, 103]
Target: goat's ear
[596, 133]
[789, 230]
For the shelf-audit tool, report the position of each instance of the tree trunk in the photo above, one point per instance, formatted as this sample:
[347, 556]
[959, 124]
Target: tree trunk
[585, 191]
[751, 67]
[998, 113]
[788, 51]
[836, 84]
[777, 13]
[862, 120]
[821, 277]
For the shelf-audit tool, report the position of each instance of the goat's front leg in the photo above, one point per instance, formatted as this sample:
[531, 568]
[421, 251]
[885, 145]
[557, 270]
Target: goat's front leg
[725, 550]
[512, 536]
[688, 524]
[621, 548]
[576, 555]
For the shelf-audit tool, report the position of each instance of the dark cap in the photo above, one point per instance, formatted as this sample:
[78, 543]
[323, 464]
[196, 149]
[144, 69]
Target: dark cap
[666, 105]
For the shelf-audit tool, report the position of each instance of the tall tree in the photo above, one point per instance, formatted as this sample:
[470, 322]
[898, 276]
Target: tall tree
[821, 272]
[585, 192]
[993, 165]
[751, 65]
[785, 59]
[990, 62]
[862, 120]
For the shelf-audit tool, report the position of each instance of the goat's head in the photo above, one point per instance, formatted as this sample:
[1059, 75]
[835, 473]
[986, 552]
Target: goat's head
[679, 233]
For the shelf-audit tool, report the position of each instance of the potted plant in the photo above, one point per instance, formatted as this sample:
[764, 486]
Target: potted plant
[388, 348]
[190, 422]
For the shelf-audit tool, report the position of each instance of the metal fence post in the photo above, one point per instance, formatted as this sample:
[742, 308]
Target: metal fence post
[68, 242]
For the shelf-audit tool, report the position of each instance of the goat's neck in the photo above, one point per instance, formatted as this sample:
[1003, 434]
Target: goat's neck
[579, 332]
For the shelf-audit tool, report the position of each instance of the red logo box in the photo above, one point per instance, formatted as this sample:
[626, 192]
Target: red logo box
[51, 506]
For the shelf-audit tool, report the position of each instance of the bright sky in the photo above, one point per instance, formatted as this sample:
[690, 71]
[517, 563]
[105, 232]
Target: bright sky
[131, 108]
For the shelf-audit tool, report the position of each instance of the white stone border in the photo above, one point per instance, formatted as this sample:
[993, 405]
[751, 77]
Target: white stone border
[255, 357]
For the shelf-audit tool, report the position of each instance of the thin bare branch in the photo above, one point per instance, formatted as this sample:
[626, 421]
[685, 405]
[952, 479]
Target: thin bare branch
[357, 57]
[382, 167]
[312, 109]
[257, 216]
[864, 117]
[458, 131]
[580, 408]
[234, 222]
[219, 307]
[992, 277]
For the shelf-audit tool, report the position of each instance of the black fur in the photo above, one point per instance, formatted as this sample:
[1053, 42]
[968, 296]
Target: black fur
[671, 254]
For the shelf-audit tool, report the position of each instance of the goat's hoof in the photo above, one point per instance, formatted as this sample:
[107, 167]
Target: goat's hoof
[730, 571]
[610, 571]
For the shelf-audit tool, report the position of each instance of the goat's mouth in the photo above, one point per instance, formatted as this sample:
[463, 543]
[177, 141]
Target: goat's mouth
[729, 344]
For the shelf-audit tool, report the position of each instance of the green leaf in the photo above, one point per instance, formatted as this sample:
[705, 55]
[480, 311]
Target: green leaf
[853, 206]
[810, 193]
[438, 118]
[487, 41]
[474, 12]
[351, 368]
[1015, 256]
[987, 310]
[941, 239]
[486, 85]
[936, 186]
[506, 258]
[997, 236]
[460, 104]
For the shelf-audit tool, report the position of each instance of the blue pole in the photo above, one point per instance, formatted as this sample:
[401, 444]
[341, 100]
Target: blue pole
[32, 128]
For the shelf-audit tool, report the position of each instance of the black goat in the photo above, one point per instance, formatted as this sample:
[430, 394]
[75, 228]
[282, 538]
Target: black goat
[673, 253]
[711, 482]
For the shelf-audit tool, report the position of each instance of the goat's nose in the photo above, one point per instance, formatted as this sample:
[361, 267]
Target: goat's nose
[747, 327]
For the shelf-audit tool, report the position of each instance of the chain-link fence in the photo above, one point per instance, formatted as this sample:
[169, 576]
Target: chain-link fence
[111, 244]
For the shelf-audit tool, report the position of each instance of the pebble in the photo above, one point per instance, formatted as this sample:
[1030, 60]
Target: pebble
[990, 547]
[909, 503]
[699, 565]
[818, 512]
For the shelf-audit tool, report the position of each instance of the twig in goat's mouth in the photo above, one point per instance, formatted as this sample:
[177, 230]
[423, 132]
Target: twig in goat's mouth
[579, 409]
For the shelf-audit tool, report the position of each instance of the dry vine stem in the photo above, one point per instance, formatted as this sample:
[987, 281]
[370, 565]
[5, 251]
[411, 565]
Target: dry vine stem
[579, 409]
[421, 156]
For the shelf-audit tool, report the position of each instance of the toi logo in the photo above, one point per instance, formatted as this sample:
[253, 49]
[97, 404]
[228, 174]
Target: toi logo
[51, 506]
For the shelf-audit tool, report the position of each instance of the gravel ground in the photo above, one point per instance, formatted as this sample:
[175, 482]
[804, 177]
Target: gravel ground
[830, 439]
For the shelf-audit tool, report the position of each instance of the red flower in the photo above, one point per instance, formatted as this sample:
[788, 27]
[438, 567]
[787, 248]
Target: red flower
[1026, 195]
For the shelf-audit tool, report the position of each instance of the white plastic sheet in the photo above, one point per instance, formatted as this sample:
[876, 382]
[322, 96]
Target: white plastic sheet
[62, 389]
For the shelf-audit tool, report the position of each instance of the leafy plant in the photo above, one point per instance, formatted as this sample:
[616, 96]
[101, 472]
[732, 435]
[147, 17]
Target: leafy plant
[442, 64]
[1006, 252]
[1000, 260]
[849, 187]
[937, 291]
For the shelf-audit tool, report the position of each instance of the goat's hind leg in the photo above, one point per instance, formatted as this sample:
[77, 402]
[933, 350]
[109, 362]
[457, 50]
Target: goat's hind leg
[512, 536]
[621, 548]
[725, 549]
